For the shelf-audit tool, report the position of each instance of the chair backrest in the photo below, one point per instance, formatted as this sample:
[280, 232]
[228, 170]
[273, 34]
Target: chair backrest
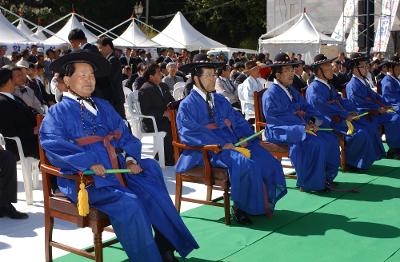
[43, 160]
[178, 91]
[173, 109]
[258, 112]
[134, 112]
[127, 91]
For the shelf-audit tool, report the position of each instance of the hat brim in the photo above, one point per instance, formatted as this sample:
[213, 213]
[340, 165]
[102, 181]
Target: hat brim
[100, 65]
[275, 64]
[188, 68]
[321, 62]
[359, 59]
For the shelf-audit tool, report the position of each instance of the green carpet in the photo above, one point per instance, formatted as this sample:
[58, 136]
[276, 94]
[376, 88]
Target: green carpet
[336, 226]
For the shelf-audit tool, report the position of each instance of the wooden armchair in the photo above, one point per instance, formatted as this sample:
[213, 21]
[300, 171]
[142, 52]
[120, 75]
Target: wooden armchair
[214, 178]
[279, 151]
[59, 206]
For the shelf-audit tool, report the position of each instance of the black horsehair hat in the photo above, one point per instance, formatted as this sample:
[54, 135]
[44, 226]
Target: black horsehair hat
[282, 59]
[200, 61]
[355, 59]
[394, 60]
[100, 65]
[321, 59]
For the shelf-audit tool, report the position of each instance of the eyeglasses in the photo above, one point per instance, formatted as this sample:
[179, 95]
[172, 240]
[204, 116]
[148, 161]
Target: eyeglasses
[209, 75]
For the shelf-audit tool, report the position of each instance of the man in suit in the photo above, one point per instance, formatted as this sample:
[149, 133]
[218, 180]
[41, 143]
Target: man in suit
[298, 82]
[132, 83]
[17, 118]
[154, 97]
[78, 40]
[8, 165]
[114, 92]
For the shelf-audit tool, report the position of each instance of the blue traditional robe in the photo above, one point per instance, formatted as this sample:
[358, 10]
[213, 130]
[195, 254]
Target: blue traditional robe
[132, 210]
[365, 99]
[391, 91]
[315, 158]
[364, 146]
[247, 176]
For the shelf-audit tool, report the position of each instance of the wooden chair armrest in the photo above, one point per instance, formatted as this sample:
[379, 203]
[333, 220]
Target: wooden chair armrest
[54, 171]
[212, 148]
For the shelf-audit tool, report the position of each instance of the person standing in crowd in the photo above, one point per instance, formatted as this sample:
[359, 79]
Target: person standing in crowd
[383, 69]
[136, 80]
[3, 59]
[113, 92]
[154, 97]
[17, 118]
[170, 55]
[78, 40]
[205, 118]
[298, 83]
[366, 100]
[171, 79]
[292, 121]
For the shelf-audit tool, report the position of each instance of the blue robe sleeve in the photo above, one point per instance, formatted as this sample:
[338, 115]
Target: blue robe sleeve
[62, 150]
[391, 92]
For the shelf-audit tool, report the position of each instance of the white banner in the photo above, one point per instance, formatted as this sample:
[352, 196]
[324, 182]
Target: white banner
[385, 24]
[345, 20]
[352, 39]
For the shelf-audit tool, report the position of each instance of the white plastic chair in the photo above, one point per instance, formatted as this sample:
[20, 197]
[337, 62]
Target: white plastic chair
[127, 91]
[178, 91]
[30, 169]
[135, 117]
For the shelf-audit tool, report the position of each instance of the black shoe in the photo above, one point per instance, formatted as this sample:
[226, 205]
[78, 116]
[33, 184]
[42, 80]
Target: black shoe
[240, 216]
[10, 211]
[393, 153]
[169, 256]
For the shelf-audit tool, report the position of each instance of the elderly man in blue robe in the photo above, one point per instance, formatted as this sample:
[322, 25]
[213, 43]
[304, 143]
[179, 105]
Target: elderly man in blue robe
[363, 142]
[84, 133]
[391, 84]
[204, 118]
[365, 99]
[292, 121]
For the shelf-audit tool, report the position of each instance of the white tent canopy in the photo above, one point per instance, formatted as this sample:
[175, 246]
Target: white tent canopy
[133, 37]
[301, 38]
[61, 37]
[39, 34]
[181, 34]
[10, 37]
[23, 28]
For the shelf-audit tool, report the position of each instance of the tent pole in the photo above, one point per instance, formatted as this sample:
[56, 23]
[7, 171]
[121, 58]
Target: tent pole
[120, 24]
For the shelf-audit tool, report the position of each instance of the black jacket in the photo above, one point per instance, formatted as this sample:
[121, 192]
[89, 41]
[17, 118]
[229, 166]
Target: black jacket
[110, 88]
[153, 103]
[299, 84]
[17, 119]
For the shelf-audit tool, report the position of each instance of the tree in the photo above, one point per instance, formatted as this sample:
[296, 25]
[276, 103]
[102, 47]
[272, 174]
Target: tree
[236, 23]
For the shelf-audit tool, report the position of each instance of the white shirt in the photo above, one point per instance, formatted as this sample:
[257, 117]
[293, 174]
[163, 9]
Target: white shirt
[246, 95]
[203, 95]
[323, 81]
[85, 103]
[284, 89]
[8, 95]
